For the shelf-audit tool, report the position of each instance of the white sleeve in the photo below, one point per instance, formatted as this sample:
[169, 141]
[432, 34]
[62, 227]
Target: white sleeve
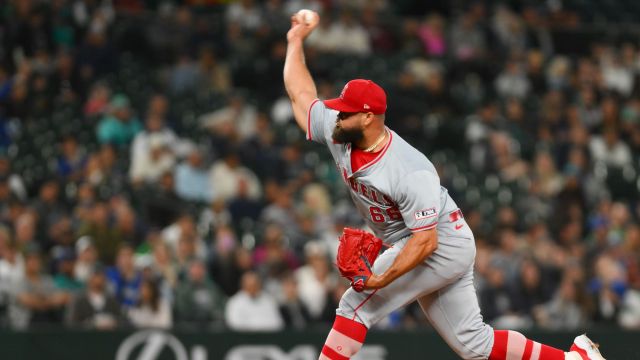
[164, 317]
[320, 122]
[233, 314]
[139, 157]
[420, 200]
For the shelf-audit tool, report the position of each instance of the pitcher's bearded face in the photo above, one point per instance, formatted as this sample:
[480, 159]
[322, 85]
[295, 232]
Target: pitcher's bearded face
[343, 134]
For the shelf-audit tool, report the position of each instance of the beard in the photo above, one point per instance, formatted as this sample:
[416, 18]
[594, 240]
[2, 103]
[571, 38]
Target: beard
[342, 135]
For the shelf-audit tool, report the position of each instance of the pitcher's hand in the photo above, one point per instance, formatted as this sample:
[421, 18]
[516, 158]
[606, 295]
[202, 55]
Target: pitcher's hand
[302, 25]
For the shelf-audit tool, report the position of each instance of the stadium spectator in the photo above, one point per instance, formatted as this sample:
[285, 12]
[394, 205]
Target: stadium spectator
[13, 180]
[98, 100]
[234, 122]
[95, 308]
[106, 238]
[609, 149]
[494, 296]
[273, 255]
[87, 259]
[120, 126]
[152, 310]
[162, 264]
[513, 82]
[213, 72]
[246, 13]
[126, 221]
[155, 131]
[530, 288]
[25, 231]
[49, 209]
[36, 301]
[192, 179]
[564, 310]
[228, 270]
[227, 173]
[294, 312]
[324, 39]
[354, 40]
[64, 263]
[72, 161]
[11, 272]
[314, 279]
[184, 75]
[124, 279]
[199, 301]
[468, 41]
[159, 160]
[184, 228]
[607, 289]
[629, 317]
[160, 205]
[251, 309]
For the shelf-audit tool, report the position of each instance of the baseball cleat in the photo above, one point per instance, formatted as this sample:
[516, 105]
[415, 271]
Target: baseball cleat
[586, 348]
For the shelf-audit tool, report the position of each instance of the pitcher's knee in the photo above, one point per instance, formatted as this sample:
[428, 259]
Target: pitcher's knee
[473, 345]
[348, 308]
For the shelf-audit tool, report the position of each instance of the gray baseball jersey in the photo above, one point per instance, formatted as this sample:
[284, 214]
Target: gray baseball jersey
[399, 193]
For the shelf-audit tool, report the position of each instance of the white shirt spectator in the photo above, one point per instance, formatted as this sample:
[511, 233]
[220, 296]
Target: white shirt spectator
[618, 78]
[145, 317]
[171, 236]
[612, 151]
[323, 38]
[353, 38]
[141, 148]
[281, 111]
[312, 291]
[11, 271]
[245, 13]
[237, 118]
[259, 313]
[228, 178]
[151, 165]
[629, 317]
[512, 82]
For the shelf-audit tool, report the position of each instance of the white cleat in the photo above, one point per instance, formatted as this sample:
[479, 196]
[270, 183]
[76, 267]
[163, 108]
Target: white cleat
[586, 348]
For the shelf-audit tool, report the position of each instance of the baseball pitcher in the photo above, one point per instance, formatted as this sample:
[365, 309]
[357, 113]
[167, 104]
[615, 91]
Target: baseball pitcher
[430, 250]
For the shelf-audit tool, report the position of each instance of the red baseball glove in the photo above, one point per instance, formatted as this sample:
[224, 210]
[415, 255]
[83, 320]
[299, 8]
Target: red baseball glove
[357, 251]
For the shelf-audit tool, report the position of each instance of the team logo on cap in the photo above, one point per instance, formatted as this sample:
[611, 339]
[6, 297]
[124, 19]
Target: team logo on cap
[343, 91]
[366, 106]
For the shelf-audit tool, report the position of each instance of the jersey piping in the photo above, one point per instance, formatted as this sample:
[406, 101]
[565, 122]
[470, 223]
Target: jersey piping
[309, 136]
[428, 227]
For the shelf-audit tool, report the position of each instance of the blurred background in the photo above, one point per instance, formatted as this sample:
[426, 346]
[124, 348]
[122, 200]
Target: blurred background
[152, 176]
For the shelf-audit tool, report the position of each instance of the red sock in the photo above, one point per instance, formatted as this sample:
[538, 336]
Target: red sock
[511, 345]
[345, 339]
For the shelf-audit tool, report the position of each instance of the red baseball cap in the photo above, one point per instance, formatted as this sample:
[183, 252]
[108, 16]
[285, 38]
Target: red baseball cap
[360, 95]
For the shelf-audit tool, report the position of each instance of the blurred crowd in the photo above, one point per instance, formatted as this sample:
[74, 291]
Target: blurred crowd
[151, 174]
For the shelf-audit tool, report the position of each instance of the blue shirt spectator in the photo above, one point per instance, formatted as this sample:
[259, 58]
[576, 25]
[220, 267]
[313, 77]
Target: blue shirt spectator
[124, 278]
[192, 179]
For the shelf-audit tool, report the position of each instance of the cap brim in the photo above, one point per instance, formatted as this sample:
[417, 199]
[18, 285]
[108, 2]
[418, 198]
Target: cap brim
[338, 104]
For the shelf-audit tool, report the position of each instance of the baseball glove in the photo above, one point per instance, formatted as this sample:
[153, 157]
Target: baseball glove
[356, 253]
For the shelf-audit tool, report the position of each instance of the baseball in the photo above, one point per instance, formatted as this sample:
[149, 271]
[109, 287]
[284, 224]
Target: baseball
[308, 17]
